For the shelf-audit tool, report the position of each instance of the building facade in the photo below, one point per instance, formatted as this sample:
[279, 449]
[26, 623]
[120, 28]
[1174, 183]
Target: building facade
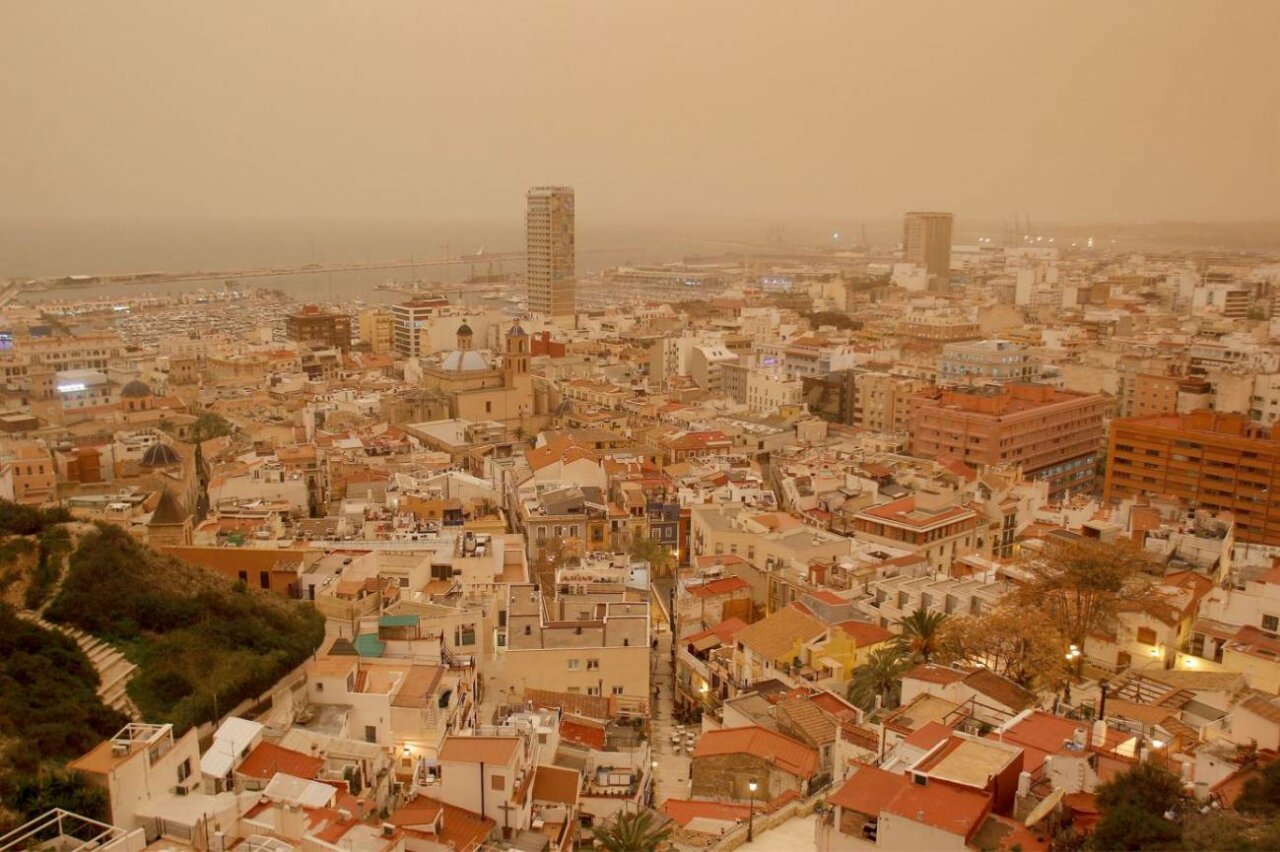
[926, 241]
[1219, 462]
[319, 329]
[1055, 435]
[549, 239]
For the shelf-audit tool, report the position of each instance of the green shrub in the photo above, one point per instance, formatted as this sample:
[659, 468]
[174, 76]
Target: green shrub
[202, 644]
[48, 694]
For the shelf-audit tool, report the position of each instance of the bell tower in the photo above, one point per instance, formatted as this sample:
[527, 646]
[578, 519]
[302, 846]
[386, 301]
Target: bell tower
[515, 361]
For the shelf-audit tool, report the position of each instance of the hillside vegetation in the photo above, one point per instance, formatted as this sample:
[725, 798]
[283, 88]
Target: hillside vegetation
[202, 643]
[49, 713]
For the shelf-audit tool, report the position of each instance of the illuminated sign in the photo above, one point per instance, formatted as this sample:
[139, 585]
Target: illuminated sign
[72, 387]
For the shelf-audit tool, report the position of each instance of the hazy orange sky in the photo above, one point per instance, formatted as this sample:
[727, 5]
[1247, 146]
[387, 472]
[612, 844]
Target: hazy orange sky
[1105, 110]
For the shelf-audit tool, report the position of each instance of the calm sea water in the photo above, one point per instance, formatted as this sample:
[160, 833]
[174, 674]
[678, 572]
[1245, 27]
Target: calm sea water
[42, 249]
[53, 248]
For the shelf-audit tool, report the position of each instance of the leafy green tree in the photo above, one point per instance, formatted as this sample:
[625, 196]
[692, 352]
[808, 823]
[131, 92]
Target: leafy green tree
[922, 633]
[29, 795]
[631, 833]
[1081, 586]
[660, 559]
[210, 425]
[880, 677]
[1261, 796]
[1133, 806]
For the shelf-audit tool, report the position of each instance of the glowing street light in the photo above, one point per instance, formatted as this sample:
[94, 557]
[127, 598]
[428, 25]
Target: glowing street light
[751, 811]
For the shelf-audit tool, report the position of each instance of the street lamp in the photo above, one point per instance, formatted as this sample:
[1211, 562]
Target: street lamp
[751, 811]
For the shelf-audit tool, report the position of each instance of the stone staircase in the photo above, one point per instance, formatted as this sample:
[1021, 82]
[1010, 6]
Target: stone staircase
[114, 670]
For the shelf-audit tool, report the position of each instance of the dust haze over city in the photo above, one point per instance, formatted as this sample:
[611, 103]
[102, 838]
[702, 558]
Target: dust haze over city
[639, 426]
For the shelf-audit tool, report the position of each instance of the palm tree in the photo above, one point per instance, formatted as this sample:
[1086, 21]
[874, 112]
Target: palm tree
[880, 677]
[630, 833]
[660, 559]
[921, 632]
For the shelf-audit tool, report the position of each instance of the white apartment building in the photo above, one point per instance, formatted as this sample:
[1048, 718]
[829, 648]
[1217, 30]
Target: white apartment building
[768, 391]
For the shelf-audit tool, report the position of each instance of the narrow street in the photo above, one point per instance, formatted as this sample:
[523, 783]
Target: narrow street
[672, 778]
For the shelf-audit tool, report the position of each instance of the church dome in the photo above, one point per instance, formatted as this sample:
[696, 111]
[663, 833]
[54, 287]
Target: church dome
[517, 331]
[135, 389]
[160, 455]
[464, 330]
[464, 361]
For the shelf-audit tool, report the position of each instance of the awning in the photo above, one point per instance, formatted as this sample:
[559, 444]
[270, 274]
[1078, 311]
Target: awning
[369, 645]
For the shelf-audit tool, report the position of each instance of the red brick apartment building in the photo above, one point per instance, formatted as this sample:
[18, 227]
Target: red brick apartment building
[319, 328]
[1220, 462]
[1055, 435]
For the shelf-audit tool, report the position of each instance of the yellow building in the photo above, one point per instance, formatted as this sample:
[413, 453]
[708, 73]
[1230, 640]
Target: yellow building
[480, 390]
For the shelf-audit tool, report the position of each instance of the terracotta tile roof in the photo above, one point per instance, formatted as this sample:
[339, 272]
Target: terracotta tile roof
[864, 633]
[268, 759]
[563, 449]
[928, 735]
[723, 586]
[1000, 689]
[862, 737]
[868, 790]
[491, 750]
[585, 732]
[775, 637]
[788, 755]
[724, 631]
[903, 511]
[834, 706]
[460, 829]
[807, 718]
[944, 807]
[1260, 706]
[590, 706]
[685, 811]
[931, 673]
[556, 784]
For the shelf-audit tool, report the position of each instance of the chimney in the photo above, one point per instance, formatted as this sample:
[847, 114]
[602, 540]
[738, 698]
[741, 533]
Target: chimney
[1099, 733]
[1102, 702]
[1024, 784]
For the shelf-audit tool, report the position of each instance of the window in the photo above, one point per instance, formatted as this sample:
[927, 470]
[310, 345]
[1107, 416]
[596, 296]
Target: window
[592, 665]
[1146, 636]
[574, 665]
[184, 770]
[497, 782]
[264, 579]
[488, 407]
[1270, 622]
[244, 576]
[370, 734]
[319, 687]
